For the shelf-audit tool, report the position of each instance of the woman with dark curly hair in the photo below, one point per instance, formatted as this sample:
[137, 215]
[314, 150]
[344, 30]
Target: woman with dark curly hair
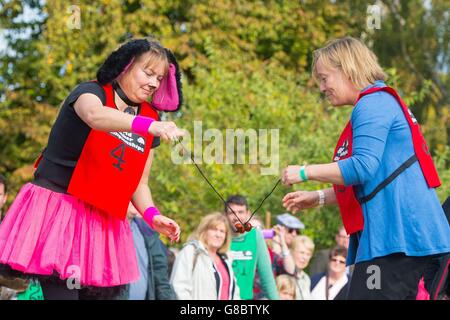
[68, 227]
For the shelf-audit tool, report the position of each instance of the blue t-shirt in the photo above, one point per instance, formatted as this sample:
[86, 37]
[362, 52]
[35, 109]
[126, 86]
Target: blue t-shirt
[405, 216]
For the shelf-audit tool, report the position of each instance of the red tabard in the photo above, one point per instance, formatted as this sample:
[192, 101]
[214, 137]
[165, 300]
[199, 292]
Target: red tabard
[111, 165]
[349, 206]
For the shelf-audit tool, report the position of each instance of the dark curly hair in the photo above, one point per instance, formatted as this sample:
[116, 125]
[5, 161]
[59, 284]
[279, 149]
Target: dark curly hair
[120, 58]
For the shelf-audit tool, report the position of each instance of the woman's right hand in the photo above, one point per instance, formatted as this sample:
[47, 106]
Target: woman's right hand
[299, 200]
[166, 130]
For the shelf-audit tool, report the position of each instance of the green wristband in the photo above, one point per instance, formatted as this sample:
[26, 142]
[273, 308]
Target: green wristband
[303, 175]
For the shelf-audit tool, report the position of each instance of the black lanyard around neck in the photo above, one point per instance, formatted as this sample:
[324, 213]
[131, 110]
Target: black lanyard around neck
[123, 96]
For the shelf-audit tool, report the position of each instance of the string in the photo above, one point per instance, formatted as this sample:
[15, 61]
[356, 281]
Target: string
[217, 192]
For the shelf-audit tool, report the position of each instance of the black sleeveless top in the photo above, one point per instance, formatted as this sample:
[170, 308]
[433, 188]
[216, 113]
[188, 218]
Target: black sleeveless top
[66, 141]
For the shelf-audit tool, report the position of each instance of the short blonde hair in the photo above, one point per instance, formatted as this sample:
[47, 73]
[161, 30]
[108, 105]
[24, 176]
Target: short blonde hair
[286, 282]
[209, 222]
[302, 240]
[353, 58]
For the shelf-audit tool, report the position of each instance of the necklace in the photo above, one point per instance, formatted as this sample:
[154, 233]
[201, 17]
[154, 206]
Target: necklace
[130, 110]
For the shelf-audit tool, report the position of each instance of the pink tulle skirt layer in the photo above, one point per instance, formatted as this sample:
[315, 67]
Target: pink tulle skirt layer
[46, 232]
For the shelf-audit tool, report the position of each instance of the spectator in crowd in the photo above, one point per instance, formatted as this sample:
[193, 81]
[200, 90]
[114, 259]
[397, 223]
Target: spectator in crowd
[286, 287]
[291, 226]
[296, 261]
[153, 283]
[333, 284]
[319, 263]
[3, 194]
[202, 269]
[286, 230]
[250, 253]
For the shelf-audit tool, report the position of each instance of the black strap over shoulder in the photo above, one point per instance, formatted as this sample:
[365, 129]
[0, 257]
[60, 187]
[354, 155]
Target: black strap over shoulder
[389, 179]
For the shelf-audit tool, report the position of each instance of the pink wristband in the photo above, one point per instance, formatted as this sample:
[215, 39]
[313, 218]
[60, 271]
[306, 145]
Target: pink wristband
[141, 124]
[149, 214]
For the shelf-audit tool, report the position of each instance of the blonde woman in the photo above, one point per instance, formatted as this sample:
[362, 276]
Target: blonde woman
[382, 173]
[202, 269]
[286, 287]
[302, 249]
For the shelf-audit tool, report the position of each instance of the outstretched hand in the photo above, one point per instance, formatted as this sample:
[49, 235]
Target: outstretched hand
[298, 200]
[166, 130]
[167, 227]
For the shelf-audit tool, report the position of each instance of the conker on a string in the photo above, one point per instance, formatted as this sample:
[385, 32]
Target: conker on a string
[239, 227]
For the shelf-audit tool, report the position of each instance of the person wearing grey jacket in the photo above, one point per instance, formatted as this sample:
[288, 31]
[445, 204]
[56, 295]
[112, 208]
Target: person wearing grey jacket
[152, 259]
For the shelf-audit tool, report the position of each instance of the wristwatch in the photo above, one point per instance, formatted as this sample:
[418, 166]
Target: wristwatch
[321, 197]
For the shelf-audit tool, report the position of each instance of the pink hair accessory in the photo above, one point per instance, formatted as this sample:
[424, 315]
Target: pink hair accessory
[166, 96]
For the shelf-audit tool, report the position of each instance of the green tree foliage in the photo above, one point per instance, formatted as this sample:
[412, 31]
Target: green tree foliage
[246, 64]
[414, 39]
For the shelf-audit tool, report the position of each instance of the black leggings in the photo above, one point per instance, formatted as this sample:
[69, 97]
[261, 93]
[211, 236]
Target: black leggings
[398, 278]
[54, 288]
[58, 290]
[55, 291]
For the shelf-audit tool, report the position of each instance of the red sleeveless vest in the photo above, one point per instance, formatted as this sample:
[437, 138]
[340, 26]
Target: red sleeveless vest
[349, 206]
[111, 165]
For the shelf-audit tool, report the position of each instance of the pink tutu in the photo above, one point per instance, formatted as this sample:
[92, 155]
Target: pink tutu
[46, 232]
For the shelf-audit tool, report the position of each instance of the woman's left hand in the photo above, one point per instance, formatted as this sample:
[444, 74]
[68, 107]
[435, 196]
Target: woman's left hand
[290, 175]
[167, 227]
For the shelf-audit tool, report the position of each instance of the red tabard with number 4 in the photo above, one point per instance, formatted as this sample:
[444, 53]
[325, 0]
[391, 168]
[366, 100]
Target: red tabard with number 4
[111, 165]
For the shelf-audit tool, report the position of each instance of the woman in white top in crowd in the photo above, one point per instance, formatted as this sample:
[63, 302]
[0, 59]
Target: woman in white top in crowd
[202, 269]
[301, 251]
[333, 284]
